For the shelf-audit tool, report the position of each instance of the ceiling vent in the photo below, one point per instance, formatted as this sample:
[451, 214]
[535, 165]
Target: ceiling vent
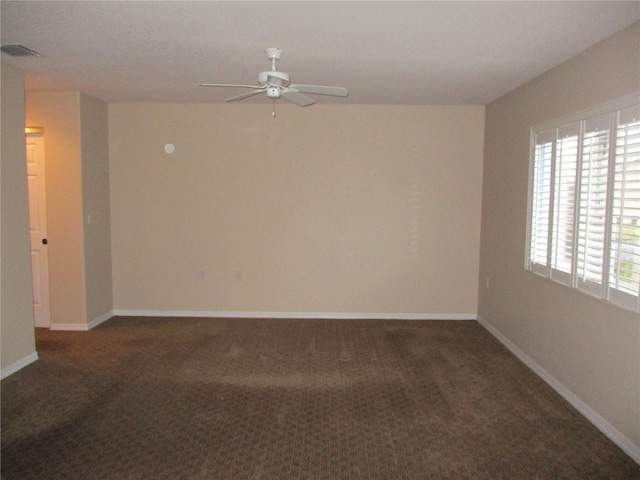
[19, 51]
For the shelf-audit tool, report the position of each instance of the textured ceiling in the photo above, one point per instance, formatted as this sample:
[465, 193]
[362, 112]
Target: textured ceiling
[382, 52]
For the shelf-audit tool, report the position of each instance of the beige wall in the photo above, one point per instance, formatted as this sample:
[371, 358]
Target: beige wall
[96, 207]
[58, 113]
[16, 302]
[339, 209]
[591, 348]
[77, 169]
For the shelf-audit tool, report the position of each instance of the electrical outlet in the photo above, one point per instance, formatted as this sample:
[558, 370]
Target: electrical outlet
[238, 275]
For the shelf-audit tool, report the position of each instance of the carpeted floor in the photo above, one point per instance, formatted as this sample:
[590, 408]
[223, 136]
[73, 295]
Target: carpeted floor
[152, 398]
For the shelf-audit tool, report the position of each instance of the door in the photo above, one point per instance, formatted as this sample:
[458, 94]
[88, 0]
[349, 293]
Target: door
[38, 229]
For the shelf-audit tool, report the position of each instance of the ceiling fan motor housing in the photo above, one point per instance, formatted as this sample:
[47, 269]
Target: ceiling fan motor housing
[273, 77]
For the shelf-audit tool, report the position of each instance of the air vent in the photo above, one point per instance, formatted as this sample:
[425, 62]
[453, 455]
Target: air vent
[19, 51]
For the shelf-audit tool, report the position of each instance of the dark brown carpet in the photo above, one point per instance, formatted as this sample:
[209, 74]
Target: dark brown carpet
[150, 398]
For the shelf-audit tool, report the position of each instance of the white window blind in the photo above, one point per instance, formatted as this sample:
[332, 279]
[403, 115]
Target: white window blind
[593, 203]
[564, 203]
[624, 273]
[541, 201]
[584, 204]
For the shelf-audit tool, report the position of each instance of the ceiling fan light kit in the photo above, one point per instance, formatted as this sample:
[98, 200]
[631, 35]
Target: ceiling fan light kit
[273, 92]
[276, 84]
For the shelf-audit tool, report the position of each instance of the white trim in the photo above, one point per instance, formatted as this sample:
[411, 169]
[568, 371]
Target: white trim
[82, 327]
[101, 319]
[20, 364]
[594, 417]
[595, 110]
[302, 315]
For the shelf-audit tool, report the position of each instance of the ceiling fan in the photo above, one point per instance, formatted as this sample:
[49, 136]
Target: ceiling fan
[276, 84]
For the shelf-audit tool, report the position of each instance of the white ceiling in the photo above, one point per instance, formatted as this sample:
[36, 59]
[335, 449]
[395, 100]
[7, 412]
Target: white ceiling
[382, 52]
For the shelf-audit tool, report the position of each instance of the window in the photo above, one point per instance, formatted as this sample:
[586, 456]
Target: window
[584, 202]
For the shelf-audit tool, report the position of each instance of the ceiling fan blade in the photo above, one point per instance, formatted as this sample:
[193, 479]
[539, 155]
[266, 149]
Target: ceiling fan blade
[228, 85]
[298, 98]
[245, 95]
[320, 90]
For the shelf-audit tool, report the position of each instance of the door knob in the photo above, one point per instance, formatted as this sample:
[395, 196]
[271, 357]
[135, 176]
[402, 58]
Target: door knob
[44, 241]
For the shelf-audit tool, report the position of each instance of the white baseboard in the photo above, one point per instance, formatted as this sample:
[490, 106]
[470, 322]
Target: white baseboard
[82, 327]
[302, 315]
[20, 364]
[605, 427]
[101, 319]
